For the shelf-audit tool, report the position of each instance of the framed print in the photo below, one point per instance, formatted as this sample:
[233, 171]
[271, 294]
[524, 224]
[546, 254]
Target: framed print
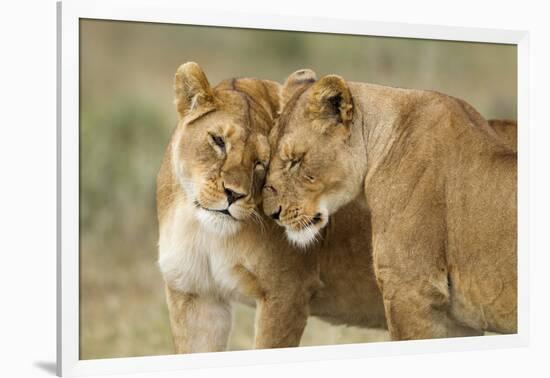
[238, 190]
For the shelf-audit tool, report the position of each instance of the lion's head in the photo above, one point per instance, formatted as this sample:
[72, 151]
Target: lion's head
[314, 168]
[220, 149]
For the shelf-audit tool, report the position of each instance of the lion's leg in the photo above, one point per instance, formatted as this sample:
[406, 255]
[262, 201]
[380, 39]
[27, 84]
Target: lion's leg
[412, 274]
[421, 312]
[199, 324]
[280, 322]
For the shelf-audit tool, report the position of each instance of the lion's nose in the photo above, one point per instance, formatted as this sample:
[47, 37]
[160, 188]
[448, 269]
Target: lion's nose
[232, 195]
[275, 216]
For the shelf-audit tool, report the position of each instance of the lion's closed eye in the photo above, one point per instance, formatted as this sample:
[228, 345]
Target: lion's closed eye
[218, 143]
[310, 178]
[294, 162]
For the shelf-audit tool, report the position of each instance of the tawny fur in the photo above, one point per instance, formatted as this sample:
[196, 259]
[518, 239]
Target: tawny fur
[507, 130]
[440, 185]
[209, 260]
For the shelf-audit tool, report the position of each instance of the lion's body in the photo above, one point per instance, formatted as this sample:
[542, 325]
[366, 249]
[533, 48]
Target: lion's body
[507, 130]
[441, 189]
[350, 293]
[207, 267]
[443, 200]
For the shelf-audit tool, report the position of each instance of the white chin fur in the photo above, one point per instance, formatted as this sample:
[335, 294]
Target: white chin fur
[218, 224]
[304, 237]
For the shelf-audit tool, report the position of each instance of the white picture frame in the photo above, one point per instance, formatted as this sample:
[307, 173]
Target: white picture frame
[172, 11]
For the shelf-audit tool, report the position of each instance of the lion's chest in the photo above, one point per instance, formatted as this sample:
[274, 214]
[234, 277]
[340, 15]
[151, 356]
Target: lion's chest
[194, 261]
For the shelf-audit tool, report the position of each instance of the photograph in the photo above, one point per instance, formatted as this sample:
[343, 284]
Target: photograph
[247, 188]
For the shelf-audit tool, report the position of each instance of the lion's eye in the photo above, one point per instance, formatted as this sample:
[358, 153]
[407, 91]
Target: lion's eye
[218, 140]
[295, 162]
[310, 178]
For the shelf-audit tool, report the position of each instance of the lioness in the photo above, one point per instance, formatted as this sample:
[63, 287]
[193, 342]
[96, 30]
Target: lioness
[440, 186]
[214, 248]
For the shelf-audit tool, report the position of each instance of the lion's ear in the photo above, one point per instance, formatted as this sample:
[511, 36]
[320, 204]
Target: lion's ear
[330, 100]
[296, 81]
[192, 89]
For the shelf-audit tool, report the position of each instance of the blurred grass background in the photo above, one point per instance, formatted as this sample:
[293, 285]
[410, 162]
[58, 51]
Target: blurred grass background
[127, 115]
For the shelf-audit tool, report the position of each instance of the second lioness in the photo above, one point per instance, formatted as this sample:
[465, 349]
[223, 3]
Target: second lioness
[213, 251]
[440, 185]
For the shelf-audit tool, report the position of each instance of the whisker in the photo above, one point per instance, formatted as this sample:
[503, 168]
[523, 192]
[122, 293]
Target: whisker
[258, 220]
